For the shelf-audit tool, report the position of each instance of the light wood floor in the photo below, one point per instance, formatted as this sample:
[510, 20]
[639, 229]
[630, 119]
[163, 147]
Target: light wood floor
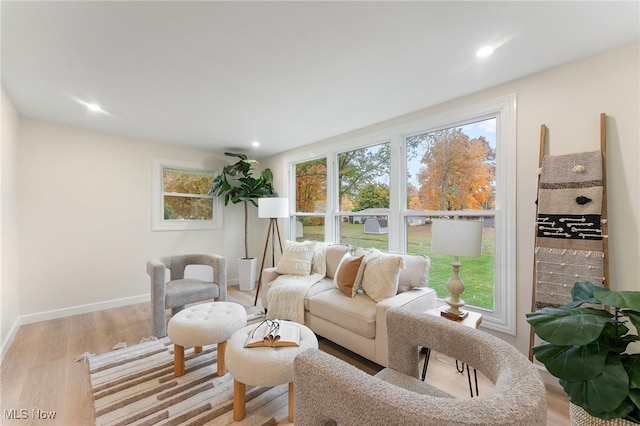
[39, 372]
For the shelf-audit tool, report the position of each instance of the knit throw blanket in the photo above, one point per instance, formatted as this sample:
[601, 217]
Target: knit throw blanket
[286, 296]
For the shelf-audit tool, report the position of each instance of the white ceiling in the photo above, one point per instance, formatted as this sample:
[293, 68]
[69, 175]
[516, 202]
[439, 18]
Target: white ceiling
[219, 75]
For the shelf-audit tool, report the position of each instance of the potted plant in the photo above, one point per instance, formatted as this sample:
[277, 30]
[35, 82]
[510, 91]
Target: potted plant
[238, 185]
[586, 348]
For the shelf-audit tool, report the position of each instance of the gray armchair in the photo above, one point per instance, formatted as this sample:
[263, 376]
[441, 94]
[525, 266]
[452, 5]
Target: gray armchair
[329, 391]
[178, 291]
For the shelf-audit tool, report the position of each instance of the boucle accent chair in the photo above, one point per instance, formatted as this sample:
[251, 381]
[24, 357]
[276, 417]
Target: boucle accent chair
[330, 391]
[180, 291]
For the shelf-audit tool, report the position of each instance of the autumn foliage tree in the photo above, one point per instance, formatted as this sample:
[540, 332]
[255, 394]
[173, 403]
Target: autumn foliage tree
[458, 172]
[196, 206]
[311, 184]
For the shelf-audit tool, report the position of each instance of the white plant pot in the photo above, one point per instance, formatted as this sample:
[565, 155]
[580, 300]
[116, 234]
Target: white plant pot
[247, 273]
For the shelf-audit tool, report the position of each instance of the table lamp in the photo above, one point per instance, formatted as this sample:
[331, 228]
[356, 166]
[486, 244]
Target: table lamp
[457, 238]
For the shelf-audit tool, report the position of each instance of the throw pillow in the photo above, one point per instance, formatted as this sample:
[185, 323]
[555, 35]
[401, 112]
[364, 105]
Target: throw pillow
[296, 259]
[319, 261]
[381, 275]
[348, 273]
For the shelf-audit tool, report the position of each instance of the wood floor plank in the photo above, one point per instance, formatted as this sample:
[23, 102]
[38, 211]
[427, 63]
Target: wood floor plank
[39, 371]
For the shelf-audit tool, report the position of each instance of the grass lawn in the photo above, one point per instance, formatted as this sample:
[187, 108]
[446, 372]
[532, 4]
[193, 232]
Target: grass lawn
[477, 273]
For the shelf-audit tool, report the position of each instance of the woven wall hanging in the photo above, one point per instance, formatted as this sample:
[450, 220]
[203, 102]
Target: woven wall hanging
[571, 241]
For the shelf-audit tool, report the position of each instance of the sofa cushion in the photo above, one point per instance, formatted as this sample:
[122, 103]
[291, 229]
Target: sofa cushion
[296, 259]
[349, 274]
[317, 288]
[356, 314]
[381, 275]
[334, 254]
[415, 272]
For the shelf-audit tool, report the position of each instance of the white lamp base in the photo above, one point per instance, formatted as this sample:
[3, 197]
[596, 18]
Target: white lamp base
[455, 287]
[457, 317]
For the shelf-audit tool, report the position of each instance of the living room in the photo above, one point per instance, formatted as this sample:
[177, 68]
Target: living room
[77, 202]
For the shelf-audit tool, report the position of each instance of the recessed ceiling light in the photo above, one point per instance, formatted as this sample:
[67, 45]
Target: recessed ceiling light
[94, 107]
[484, 52]
[255, 144]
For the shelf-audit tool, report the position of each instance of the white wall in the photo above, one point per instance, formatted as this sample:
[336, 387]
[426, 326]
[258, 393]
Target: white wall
[569, 100]
[8, 223]
[85, 219]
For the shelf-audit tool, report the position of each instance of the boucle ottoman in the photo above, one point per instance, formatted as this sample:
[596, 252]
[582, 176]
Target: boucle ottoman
[263, 366]
[204, 324]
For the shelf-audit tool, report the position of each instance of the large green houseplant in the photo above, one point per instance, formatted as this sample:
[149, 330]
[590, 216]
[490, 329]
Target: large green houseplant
[237, 184]
[586, 347]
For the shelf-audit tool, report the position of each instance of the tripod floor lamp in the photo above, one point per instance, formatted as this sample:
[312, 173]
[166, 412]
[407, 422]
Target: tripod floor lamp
[273, 209]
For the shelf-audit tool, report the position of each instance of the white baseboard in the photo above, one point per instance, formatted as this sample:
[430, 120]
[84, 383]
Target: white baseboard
[9, 339]
[67, 312]
[82, 309]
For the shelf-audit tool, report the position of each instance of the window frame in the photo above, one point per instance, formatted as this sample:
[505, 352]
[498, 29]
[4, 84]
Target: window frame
[503, 317]
[294, 214]
[159, 223]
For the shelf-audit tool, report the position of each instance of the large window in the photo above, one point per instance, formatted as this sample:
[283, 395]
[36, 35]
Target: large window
[310, 199]
[181, 200]
[452, 172]
[460, 163]
[363, 196]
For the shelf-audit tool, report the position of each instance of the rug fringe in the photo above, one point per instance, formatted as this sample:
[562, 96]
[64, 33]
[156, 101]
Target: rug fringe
[120, 345]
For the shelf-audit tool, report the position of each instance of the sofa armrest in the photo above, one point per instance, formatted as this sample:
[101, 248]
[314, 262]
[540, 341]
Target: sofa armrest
[268, 275]
[418, 299]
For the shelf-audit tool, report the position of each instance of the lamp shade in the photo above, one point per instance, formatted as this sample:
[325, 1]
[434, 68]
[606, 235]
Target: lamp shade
[456, 237]
[273, 207]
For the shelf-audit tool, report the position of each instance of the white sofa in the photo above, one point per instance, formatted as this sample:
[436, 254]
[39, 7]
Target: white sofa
[359, 323]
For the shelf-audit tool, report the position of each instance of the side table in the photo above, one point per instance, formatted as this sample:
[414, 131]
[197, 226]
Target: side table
[263, 366]
[473, 320]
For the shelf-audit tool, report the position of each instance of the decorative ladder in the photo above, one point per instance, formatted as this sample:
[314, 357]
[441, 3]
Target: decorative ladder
[571, 235]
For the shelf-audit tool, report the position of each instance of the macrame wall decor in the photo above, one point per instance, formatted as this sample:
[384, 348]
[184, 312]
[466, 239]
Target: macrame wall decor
[571, 242]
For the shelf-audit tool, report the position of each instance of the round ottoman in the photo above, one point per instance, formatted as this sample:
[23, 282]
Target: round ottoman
[204, 324]
[264, 366]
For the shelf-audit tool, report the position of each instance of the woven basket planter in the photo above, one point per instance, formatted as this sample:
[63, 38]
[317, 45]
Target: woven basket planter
[579, 417]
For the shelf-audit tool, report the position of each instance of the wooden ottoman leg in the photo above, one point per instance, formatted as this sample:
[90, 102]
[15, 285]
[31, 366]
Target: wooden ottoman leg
[178, 360]
[291, 402]
[197, 349]
[239, 400]
[222, 368]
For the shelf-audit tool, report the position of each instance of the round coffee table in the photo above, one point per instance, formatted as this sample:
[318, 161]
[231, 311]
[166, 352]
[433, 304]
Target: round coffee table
[264, 366]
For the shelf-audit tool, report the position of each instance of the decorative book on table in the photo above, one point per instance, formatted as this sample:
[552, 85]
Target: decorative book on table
[273, 333]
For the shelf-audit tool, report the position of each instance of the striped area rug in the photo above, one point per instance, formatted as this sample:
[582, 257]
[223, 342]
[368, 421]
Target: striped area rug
[136, 386]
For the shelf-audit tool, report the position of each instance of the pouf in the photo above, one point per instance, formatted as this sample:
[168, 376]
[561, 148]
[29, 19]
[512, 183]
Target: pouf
[263, 366]
[204, 324]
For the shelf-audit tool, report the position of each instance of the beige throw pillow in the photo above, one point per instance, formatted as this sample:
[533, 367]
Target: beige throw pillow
[319, 261]
[381, 275]
[296, 259]
[349, 273]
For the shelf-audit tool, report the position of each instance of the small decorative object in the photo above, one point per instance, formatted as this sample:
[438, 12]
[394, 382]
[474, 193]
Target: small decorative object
[273, 333]
[237, 184]
[456, 238]
[586, 348]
